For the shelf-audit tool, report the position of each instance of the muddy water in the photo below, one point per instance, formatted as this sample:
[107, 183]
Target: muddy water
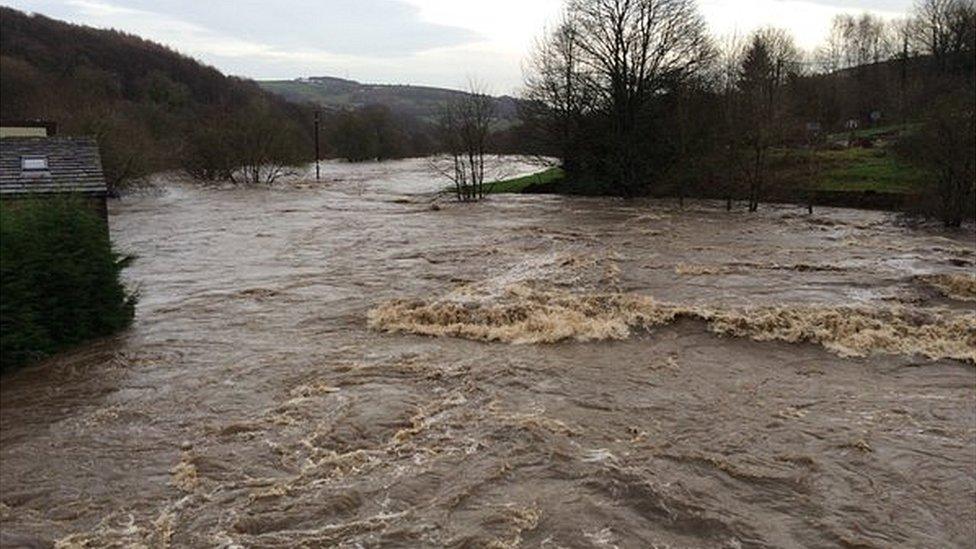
[347, 366]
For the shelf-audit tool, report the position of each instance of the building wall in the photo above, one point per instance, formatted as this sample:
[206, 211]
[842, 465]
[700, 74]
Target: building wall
[18, 131]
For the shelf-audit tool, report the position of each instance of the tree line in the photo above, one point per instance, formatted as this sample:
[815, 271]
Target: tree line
[633, 96]
[636, 98]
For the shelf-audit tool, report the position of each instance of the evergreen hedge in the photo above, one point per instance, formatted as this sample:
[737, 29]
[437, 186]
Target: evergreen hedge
[59, 279]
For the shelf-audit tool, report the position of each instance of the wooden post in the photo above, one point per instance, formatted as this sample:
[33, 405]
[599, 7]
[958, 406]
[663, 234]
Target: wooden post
[318, 171]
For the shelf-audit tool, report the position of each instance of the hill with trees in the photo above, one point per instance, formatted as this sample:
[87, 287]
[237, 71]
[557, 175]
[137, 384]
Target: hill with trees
[421, 102]
[378, 121]
[150, 107]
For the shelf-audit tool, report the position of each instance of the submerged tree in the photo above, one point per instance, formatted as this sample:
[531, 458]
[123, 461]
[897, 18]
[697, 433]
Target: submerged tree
[368, 133]
[635, 50]
[250, 147]
[266, 147]
[464, 128]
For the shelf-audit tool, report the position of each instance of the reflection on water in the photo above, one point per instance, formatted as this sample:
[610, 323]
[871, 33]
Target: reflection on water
[261, 401]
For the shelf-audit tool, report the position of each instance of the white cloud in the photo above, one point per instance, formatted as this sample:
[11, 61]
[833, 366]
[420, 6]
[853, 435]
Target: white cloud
[487, 40]
[809, 21]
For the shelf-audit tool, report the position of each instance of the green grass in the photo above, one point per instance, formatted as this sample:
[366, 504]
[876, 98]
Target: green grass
[875, 170]
[853, 170]
[519, 184]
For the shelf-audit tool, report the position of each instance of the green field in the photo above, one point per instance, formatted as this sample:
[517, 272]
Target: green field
[849, 170]
[519, 184]
[875, 170]
[853, 170]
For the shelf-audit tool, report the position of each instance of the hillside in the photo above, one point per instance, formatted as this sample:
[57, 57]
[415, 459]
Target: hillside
[141, 100]
[420, 102]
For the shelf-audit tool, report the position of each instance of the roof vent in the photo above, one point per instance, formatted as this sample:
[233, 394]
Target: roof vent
[33, 163]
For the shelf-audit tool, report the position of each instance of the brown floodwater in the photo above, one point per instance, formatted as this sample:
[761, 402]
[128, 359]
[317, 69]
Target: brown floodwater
[344, 365]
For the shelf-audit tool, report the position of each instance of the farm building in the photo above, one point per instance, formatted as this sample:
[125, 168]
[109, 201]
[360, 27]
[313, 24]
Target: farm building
[42, 167]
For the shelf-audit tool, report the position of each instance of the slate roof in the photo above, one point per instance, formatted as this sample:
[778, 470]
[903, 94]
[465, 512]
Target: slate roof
[74, 166]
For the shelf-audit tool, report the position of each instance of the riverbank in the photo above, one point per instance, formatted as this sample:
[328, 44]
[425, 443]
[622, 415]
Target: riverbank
[859, 170]
[906, 199]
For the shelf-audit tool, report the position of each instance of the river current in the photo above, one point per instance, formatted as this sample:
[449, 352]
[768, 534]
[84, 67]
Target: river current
[360, 363]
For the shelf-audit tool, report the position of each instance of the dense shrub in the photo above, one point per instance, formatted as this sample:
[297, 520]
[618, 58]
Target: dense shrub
[945, 144]
[59, 279]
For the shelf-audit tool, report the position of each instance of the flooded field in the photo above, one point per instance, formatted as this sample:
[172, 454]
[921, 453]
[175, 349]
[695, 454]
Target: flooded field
[346, 364]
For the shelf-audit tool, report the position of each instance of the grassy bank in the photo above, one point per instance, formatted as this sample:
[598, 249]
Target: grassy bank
[792, 172]
[876, 170]
[519, 184]
[855, 170]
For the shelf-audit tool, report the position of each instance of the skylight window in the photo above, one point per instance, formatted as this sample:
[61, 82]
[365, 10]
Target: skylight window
[33, 163]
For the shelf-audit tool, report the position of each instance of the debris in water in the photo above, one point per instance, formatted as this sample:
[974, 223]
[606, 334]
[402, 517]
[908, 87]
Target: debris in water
[185, 475]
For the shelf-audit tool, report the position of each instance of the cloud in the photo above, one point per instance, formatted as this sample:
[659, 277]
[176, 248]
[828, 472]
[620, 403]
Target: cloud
[240, 53]
[432, 42]
[895, 6]
[808, 20]
[388, 28]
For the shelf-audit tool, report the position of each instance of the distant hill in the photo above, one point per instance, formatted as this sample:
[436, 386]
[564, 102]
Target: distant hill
[422, 102]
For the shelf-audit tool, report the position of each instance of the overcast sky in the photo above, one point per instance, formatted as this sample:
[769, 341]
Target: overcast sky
[432, 42]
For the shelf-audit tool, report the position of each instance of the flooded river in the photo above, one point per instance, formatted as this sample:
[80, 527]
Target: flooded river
[344, 364]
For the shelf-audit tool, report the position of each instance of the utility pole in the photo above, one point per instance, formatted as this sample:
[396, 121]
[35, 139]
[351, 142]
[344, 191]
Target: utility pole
[318, 170]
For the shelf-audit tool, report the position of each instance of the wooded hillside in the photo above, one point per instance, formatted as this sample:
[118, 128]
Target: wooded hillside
[423, 102]
[144, 102]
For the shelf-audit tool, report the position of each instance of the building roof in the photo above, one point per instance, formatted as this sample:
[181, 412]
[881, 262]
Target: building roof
[73, 166]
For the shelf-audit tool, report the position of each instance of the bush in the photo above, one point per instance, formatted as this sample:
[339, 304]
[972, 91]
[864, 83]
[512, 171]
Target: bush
[59, 278]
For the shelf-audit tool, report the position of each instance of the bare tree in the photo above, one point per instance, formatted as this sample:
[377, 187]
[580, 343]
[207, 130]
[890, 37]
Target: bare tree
[945, 145]
[556, 91]
[945, 29]
[869, 41]
[727, 67]
[632, 51]
[830, 56]
[903, 51]
[854, 42]
[464, 127]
